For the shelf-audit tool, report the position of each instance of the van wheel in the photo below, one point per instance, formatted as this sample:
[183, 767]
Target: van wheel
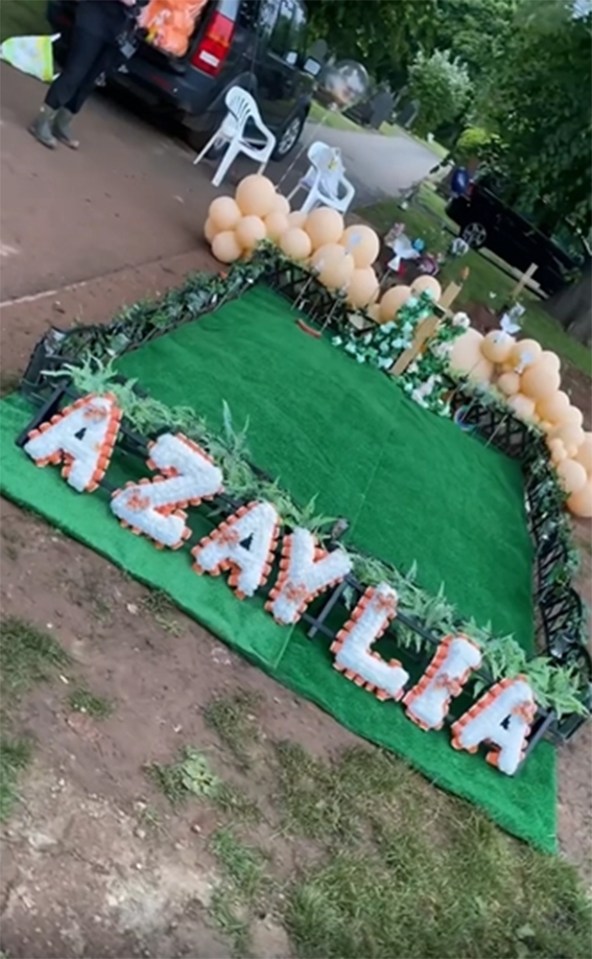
[288, 137]
[475, 234]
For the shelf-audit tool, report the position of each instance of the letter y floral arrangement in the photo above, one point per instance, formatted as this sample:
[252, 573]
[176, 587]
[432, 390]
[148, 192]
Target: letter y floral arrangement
[266, 544]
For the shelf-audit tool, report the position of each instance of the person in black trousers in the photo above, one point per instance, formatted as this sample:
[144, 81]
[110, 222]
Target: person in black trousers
[100, 29]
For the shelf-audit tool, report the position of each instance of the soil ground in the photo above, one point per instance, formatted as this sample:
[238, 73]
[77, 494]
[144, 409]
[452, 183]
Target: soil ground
[95, 861]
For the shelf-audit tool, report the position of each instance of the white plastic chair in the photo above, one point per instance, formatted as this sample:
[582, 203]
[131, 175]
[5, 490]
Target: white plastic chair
[325, 180]
[242, 110]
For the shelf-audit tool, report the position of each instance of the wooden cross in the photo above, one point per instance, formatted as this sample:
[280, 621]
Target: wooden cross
[423, 333]
[528, 275]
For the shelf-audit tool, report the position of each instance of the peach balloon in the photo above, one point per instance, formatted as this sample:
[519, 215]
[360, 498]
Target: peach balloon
[210, 230]
[466, 357]
[281, 204]
[552, 407]
[539, 381]
[392, 301]
[256, 195]
[334, 266]
[572, 415]
[557, 450]
[525, 353]
[571, 435]
[508, 384]
[497, 346]
[224, 213]
[226, 247]
[363, 287]
[324, 226]
[427, 284]
[296, 244]
[572, 476]
[580, 503]
[297, 219]
[250, 231]
[374, 312]
[363, 244]
[551, 359]
[276, 224]
[523, 406]
[584, 453]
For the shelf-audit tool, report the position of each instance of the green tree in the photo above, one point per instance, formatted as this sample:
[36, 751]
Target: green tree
[540, 104]
[382, 35]
[476, 31]
[442, 86]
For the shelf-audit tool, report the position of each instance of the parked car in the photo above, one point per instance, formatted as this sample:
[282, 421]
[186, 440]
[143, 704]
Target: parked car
[487, 220]
[257, 44]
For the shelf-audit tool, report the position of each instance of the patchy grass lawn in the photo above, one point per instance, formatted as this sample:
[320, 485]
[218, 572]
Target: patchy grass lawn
[362, 857]
[487, 283]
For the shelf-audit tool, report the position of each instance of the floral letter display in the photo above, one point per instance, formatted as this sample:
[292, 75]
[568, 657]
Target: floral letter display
[245, 545]
[82, 437]
[352, 648]
[428, 702]
[188, 476]
[306, 571]
[501, 717]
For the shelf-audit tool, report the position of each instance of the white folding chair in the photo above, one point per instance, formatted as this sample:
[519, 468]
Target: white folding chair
[242, 110]
[325, 180]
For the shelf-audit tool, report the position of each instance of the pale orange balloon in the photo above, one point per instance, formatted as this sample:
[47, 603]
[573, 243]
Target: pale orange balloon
[334, 266]
[297, 219]
[324, 226]
[551, 407]
[427, 284]
[392, 301]
[276, 224]
[296, 244]
[571, 435]
[224, 213]
[250, 231]
[363, 287]
[226, 247]
[497, 346]
[466, 357]
[580, 503]
[210, 230]
[551, 359]
[557, 450]
[572, 476]
[584, 452]
[256, 195]
[508, 384]
[523, 406]
[374, 312]
[281, 204]
[572, 415]
[363, 244]
[525, 353]
[539, 381]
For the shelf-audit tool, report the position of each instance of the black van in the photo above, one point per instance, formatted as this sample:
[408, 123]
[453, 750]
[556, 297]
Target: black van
[256, 44]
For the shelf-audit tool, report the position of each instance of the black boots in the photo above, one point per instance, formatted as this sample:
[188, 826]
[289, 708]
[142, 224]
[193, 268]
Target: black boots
[49, 126]
[61, 128]
[41, 128]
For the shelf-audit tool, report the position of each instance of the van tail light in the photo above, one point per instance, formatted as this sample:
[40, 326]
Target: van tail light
[214, 46]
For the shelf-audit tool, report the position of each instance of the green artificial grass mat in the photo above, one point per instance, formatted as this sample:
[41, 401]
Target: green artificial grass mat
[413, 486]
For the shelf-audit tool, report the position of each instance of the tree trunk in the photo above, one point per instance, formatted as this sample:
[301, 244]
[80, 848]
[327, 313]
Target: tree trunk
[572, 306]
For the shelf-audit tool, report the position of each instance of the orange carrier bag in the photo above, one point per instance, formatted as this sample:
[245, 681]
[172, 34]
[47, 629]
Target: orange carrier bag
[170, 23]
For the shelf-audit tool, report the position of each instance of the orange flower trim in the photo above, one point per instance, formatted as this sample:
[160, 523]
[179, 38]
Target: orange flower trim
[85, 461]
[222, 550]
[508, 697]
[306, 570]
[368, 622]
[426, 706]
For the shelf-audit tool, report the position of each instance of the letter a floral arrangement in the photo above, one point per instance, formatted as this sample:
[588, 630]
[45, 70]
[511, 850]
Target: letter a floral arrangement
[266, 544]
